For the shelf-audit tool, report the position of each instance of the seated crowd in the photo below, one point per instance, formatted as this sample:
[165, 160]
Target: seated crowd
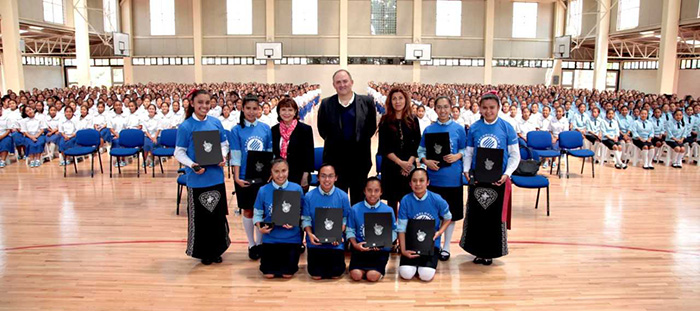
[39, 123]
[617, 120]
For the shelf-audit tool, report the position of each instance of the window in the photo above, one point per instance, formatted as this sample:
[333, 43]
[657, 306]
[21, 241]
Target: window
[383, 17]
[304, 17]
[162, 17]
[448, 18]
[573, 21]
[627, 14]
[524, 20]
[239, 17]
[53, 11]
[109, 12]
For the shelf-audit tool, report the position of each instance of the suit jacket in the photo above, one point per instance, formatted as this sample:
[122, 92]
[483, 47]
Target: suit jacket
[355, 154]
[300, 152]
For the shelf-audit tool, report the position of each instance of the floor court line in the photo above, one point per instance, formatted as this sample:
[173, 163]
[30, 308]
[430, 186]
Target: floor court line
[654, 250]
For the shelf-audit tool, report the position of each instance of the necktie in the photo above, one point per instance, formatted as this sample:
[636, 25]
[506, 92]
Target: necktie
[679, 124]
[644, 124]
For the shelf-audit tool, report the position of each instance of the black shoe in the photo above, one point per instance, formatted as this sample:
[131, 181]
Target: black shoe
[218, 260]
[302, 248]
[651, 167]
[487, 262]
[617, 166]
[254, 252]
[624, 166]
[206, 262]
[478, 260]
[444, 255]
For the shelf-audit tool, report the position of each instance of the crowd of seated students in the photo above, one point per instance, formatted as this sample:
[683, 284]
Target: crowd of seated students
[617, 120]
[38, 124]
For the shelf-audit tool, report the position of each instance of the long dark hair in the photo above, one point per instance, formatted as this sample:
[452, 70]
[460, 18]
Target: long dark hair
[406, 113]
[190, 108]
[248, 98]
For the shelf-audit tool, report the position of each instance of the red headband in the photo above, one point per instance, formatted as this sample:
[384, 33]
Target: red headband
[191, 92]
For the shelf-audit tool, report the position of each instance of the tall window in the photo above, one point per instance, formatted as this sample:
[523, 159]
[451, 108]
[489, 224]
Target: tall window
[573, 22]
[304, 17]
[383, 17]
[53, 11]
[109, 12]
[162, 17]
[239, 17]
[627, 14]
[448, 18]
[524, 20]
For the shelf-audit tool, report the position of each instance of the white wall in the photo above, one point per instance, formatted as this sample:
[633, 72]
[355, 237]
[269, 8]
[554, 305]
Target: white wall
[641, 80]
[689, 83]
[42, 77]
[525, 76]
[179, 74]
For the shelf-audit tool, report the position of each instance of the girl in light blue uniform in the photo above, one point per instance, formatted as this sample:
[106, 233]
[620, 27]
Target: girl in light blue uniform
[611, 138]
[643, 133]
[579, 121]
[626, 122]
[659, 122]
[676, 132]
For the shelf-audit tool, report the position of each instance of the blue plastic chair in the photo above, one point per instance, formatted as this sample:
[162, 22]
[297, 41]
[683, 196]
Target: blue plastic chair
[166, 149]
[571, 143]
[379, 166]
[87, 142]
[541, 143]
[130, 144]
[181, 184]
[318, 161]
[532, 182]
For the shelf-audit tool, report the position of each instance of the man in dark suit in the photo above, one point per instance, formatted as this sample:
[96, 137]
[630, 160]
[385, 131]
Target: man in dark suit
[347, 122]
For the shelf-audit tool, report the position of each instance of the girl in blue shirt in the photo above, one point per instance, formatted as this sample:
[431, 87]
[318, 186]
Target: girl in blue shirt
[676, 132]
[447, 181]
[248, 135]
[643, 133]
[484, 234]
[280, 250]
[579, 120]
[368, 262]
[208, 231]
[659, 122]
[421, 204]
[611, 138]
[324, 260]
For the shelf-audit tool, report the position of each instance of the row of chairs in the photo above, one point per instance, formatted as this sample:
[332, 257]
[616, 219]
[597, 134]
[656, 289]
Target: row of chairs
[131, 141]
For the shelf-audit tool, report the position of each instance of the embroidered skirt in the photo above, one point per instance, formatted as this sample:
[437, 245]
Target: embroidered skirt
[484, 231]
[208, 229]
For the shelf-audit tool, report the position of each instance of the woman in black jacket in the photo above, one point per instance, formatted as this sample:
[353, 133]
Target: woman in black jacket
[399, 137]
[294, 141]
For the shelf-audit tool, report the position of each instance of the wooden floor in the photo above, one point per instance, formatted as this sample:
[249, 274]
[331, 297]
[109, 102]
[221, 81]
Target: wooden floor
[626, 240]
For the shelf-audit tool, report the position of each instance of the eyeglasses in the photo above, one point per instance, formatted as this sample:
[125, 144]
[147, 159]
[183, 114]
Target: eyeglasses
[324, 176]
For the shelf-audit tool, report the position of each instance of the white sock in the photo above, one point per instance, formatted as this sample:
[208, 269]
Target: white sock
[617, 154]
[680, 158]
[650, 157]
[624, 151]
[249, 228]
[644, 157]
[447, 236]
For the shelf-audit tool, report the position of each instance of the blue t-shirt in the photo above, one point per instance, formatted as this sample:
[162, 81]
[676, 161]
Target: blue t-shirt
[498, 135]
[214, 174]
[263, 212]
[450, 176]
[356, 221]
[431, 207]
[250, 138]
[316, 199]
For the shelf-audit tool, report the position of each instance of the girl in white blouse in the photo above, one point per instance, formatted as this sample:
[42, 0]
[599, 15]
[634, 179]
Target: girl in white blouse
[5, 138]
[33, 130]
[52, 135]
[228, 120]
[100, 121]
[133, 121]
[67, 129]
[85, 121]
[149, 125]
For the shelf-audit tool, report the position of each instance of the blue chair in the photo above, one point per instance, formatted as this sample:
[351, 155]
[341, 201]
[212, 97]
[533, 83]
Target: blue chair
[531, 182]
[379, 166]
[541, 143]
[87, 142]
[130, 144]
[166, 149]
[571, 143]
[181, 184]
[318, 161]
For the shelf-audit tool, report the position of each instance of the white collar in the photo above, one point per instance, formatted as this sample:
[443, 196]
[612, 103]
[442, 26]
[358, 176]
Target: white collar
[350, 102]
[247, 123]
[375, 206]
[446, 123]
[194, 116]
[326, 193]
[425, 196]
[495, 120]
[277, 187]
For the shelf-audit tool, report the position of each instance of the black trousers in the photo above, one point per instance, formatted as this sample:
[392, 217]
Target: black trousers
[352, 180]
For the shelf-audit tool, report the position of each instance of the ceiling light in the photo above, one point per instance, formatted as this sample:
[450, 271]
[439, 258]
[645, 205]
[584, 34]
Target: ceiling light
[21, 31]
[647, 33]
[36, 27]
